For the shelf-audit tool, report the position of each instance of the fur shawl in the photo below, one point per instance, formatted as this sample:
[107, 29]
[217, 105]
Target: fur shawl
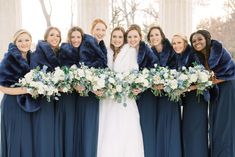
[12, 68]
[93, 54]
[165, 57]
[44, 55]
[69, 55]
[146, 58]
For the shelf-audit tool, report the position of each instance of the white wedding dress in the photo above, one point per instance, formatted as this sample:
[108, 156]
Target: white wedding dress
[119, 126]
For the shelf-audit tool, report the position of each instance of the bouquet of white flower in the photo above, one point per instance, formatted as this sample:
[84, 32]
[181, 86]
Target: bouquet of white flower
[116, 87]
[99, 81]
[38, 82]
[138, 80]
[201, 78]
[158, 79]
[81, 77]
[62, 79]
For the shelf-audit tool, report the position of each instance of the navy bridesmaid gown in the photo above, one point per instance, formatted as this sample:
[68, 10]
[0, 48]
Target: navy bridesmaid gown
[195, 113]
[44, 118]
[92, 54]
[16, 122]
[65, 114]
[147, 104]
[168, 140]
[222, 122]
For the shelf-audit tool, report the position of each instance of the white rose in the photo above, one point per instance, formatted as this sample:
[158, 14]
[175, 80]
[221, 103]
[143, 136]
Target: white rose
[119, 88]
[203, 77]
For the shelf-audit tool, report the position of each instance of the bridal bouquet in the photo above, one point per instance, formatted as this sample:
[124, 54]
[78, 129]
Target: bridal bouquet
[116, 87]
[200, 77]
[62, 79]
[81, 77]
[99, 81]
[140, 80]
[38, 82]
[171, 85]
[158, 79]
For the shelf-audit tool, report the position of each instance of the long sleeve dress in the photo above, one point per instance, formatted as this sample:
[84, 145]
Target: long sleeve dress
[119, 125]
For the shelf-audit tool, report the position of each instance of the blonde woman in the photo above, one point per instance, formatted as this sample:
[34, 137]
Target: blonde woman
[16, 124]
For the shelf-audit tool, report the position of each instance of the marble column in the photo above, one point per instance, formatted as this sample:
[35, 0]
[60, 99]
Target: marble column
[10, 22]
[176, 17]
[88, 10]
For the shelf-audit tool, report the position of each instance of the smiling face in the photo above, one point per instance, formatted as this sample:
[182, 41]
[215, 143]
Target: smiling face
[155, 37]
[117, 39]
[178, 44]
[198, 42]
[99, 31]
[53, 38]
[23, 42]
[133, 38]
[76, 38]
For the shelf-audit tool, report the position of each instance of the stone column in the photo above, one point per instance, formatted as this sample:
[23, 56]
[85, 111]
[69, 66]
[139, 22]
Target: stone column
[176, 17]
[10, 22]
[88, 10]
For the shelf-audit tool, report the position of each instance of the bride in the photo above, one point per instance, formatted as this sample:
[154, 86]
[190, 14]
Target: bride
[119, 127]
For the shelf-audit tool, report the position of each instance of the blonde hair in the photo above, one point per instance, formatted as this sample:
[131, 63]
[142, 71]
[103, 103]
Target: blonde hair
[18, 33]
[182, 36]
[95, 22]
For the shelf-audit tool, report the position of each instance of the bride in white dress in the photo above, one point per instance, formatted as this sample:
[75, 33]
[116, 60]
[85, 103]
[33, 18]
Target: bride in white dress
[119, 127]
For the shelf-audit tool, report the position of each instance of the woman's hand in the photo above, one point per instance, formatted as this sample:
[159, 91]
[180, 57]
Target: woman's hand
[99, 93]
[216, 81]
[192, 87]
[79, 88]
[158, 87]
[136, 91]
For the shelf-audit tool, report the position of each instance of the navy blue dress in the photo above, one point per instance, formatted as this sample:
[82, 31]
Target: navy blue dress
[66, 107]
[168, 115]
[94, 55]
[195, 113]
[44, 118]
[222, 122]
[16, 122]
[147, 104]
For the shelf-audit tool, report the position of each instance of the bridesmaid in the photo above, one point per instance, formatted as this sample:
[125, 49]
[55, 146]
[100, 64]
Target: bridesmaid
[65, 109]
[216, 58]
[46, 53]
[147, 101]
[168, 140]
[93, 53]
[194, 108]
[16, 124]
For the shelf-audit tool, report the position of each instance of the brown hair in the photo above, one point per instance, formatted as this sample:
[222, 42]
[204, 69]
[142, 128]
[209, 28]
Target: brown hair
[46, 34]
[18, 33]
[112, 46]
[134, 27]
[73, 29]
[160, 30]
[48, 31]
[95, 22]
